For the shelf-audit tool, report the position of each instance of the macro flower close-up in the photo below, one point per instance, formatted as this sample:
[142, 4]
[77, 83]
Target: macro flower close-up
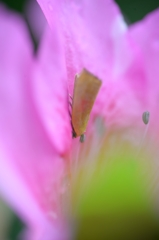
[79, 120]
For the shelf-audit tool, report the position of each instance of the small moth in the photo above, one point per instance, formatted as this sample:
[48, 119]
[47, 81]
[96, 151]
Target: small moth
[86, 88]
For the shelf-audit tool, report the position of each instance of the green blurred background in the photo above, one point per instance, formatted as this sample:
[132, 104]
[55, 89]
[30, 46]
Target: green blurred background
[133, 10]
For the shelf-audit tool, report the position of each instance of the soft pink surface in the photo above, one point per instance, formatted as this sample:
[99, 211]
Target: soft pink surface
[95, 36]
[34, 119]
[91, 31]
[145, 35]
[36, 19]
[31, 169]
[50, 90]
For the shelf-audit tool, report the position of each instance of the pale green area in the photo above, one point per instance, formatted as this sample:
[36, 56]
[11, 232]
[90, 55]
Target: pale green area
[116, 187]
[116, 203]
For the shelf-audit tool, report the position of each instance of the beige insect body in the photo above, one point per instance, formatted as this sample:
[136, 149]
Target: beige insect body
[86, 88]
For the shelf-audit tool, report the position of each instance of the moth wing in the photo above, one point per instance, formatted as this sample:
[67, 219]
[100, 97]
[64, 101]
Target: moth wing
[86, 88]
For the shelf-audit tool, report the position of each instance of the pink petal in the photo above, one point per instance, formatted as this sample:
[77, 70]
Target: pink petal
[51, 90]
[31, 169]
[95, 37]
[145, 34]
[94, 32]
[21, 199]
[35, 18]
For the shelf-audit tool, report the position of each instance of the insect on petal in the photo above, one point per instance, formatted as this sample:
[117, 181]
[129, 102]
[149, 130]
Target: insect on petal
[86, 89]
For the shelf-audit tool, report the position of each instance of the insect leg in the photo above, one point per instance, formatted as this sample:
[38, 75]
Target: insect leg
[70, 113]
[71, 97]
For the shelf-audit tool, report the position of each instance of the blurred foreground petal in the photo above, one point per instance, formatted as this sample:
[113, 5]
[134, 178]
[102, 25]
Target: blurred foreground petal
[30, 167]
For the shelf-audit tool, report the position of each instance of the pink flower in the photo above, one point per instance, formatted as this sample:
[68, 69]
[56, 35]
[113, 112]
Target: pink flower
[40, 163]
[31, 164]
